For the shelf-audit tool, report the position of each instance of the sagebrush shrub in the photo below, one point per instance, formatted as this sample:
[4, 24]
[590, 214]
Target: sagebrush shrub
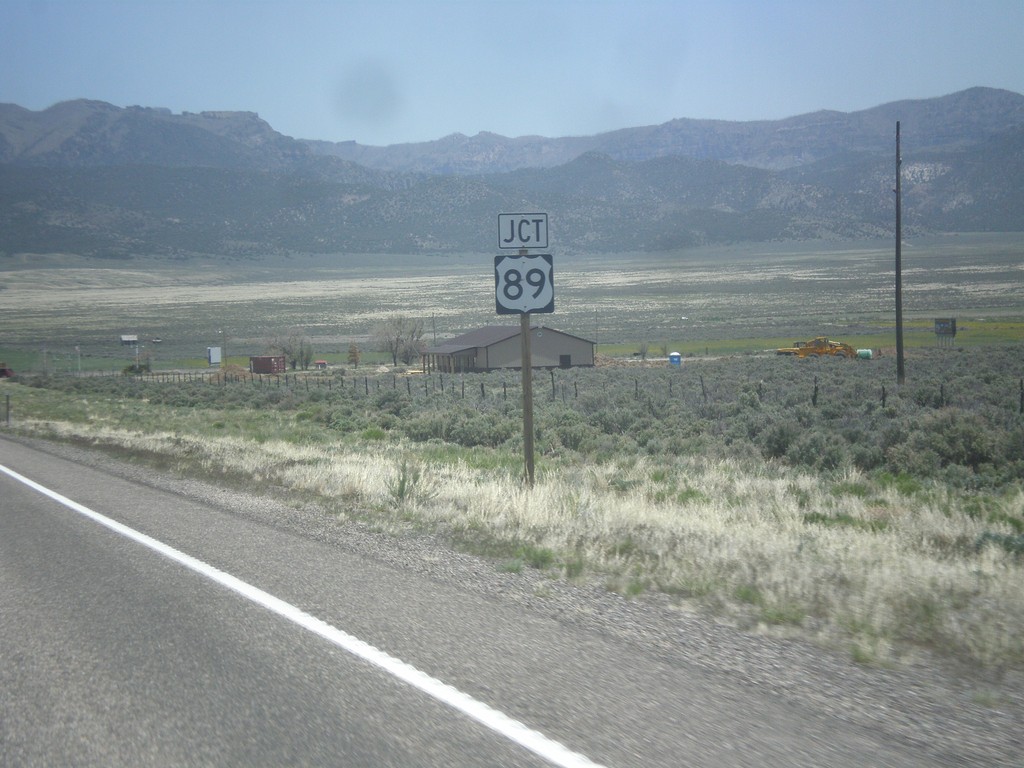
[958, 419]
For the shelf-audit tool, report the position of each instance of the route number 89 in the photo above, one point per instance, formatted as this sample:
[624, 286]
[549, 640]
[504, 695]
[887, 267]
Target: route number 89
[524, 284]
[513, 288]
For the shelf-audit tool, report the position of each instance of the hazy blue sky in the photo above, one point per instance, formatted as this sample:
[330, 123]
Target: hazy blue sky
[391, 71]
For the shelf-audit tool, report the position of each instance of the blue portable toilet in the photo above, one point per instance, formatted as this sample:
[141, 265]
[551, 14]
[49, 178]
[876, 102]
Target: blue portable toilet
[675, 358]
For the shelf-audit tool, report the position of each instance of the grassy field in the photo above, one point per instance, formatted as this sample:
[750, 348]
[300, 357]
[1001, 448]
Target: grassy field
[61, 313]
[812, 498]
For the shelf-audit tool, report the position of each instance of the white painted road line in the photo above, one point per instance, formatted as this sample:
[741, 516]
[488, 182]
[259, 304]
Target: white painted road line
[536, 742]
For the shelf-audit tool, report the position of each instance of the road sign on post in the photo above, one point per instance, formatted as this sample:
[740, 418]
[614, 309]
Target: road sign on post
[523, 230]
[524, 284]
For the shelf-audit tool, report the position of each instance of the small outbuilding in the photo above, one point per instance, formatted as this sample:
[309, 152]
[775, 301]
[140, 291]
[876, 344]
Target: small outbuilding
[267, 364]
[494, 347]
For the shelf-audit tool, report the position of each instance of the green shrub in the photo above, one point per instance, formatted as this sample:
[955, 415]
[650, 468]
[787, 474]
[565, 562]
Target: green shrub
[818, 450]
[750, 409]
[536, 557]
[904, 484]
[392, 401]
[957, 437]
[1011, 542]
[778, 439]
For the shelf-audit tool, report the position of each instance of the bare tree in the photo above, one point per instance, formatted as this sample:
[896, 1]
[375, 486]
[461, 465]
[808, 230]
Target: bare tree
[305, 353]
[296, 348]
[401, 337]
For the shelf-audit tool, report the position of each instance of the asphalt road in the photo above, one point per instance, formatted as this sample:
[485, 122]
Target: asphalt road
[114, 654]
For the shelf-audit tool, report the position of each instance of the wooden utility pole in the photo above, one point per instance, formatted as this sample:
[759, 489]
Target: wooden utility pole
[524, 334]
[900, 370]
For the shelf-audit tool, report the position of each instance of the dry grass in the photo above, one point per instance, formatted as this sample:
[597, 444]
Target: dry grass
[883, 574]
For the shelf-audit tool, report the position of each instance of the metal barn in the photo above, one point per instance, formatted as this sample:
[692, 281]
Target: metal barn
[499, 346]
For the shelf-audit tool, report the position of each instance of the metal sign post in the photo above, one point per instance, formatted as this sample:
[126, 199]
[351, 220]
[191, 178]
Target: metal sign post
[524, 284]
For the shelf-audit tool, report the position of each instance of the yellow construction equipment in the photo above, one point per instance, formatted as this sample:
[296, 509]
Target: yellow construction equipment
[818, 347]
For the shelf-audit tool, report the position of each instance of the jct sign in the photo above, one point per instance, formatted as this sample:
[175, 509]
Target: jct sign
[524, 284]
[523, 230]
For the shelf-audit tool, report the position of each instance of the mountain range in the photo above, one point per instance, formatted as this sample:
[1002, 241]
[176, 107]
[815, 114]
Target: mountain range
[90, 178]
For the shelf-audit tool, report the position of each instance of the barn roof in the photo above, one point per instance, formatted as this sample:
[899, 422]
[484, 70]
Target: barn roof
[486, 337]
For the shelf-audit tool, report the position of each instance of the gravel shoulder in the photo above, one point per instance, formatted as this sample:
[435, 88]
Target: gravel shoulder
[978, 714]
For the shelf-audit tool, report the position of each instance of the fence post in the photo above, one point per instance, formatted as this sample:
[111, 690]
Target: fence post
[8, 397]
